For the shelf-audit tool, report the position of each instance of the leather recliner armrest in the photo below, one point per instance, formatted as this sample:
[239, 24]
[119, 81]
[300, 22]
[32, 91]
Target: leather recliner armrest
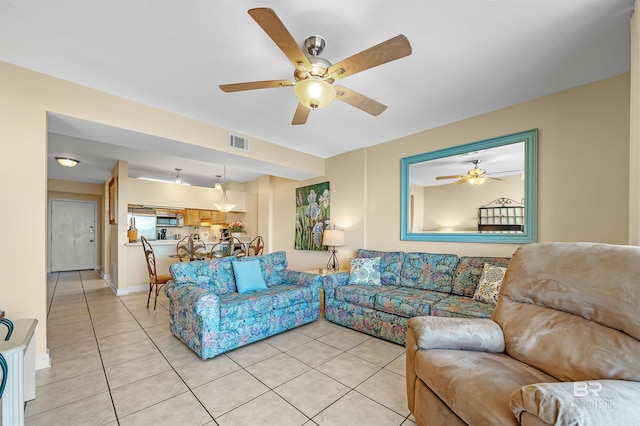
[468, 334]
[594, 402]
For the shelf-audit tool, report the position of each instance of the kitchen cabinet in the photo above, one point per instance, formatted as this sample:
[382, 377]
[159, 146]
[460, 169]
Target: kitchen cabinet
[195, 217]
[217, 218]
[211, 217]
[191, 217]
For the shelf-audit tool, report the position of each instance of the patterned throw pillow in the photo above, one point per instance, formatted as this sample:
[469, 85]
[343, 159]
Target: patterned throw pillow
[490, 283]
[365, 271]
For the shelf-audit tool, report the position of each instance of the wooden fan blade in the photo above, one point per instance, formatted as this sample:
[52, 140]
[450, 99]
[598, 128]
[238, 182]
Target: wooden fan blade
[275, 29]
[489, 177]
[451, 177]
[251, 85]
[387, 51]
[360, 101]
[461, 181]
[300, 117]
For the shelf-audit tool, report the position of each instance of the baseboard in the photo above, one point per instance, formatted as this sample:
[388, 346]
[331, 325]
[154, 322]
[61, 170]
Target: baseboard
[105, 276]
[133, 289]
[43, 360]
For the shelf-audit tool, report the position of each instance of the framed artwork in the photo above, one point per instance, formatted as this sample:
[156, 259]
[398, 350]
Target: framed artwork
[312, 216]
[113, 201]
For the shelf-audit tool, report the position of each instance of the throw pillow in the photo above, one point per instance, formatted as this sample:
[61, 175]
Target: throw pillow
[490, 283]
[365, 271]
[248, 276]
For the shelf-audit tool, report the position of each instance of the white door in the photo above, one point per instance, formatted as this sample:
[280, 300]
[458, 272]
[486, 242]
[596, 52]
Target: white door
[73, 231]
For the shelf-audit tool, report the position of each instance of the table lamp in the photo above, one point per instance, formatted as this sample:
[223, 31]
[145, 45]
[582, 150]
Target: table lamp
[333, 238]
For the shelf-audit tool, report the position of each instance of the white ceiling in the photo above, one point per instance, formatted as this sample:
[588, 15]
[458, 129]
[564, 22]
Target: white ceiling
[500, 161]
[469, 57]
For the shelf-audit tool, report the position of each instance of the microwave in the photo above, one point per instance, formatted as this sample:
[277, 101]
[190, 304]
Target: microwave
[167, 221]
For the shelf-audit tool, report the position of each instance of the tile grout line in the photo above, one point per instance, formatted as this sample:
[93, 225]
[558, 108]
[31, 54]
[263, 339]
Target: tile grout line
[170, 365]
[104, 371]
[81, 399]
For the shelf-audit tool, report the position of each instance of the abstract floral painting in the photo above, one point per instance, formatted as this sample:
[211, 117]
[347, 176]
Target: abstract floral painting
[312, 216]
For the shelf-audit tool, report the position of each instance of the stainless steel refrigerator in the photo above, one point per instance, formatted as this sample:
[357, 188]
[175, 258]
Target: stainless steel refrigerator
[145, 223]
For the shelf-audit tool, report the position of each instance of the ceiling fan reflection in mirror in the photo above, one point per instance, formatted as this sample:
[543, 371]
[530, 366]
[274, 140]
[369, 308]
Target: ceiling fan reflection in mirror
[475, 176]
[313, 75]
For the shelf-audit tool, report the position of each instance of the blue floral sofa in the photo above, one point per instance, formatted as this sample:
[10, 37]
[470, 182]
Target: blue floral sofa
[207, 312]
[411, 284]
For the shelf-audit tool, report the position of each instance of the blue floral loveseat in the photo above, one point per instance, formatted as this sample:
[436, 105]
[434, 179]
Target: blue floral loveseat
[207, 312]
[411, 284]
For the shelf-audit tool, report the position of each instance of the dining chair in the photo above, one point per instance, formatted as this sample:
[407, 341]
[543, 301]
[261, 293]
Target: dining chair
[155, 281]
[218, 250]
[192, 249]
[235, 247]
[256, 246]
[184, 247]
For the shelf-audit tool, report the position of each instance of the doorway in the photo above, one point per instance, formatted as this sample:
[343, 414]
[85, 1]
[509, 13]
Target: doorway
[72, 235]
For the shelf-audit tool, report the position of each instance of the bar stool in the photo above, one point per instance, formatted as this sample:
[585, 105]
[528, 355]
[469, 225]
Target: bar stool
[155, 281]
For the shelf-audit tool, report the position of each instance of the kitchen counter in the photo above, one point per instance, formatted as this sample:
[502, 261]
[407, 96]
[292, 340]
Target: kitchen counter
[155, 243]
[137, 275]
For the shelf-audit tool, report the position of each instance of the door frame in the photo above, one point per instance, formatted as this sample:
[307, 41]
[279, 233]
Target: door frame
[50, 234]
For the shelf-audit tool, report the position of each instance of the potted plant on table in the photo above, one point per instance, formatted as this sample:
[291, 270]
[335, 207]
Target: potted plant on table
[237, 228]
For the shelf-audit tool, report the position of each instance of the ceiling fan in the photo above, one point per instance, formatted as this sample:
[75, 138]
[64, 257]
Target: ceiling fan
[475, 176]
[313, 75]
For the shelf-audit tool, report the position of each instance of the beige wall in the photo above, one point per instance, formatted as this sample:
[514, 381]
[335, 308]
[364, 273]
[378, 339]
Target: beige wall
[634, 132]
[583, 183]
[346, 175]
[153, 193]
[456, 206]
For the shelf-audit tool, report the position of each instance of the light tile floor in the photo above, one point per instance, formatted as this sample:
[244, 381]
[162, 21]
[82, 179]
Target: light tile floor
[115, 363]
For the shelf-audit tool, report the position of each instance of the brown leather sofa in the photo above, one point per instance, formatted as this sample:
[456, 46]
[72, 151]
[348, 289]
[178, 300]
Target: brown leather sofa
[561, 348]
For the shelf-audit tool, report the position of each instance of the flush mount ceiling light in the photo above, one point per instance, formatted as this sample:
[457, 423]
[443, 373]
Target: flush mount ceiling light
[67, 162]
[178, 178]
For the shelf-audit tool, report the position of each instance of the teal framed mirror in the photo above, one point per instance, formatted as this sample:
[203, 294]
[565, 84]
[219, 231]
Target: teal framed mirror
[483, 191]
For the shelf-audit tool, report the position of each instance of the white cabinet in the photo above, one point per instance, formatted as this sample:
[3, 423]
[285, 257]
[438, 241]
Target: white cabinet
[20, 353]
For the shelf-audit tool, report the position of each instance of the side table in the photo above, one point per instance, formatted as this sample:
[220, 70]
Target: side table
[19, 351]
[323, 272]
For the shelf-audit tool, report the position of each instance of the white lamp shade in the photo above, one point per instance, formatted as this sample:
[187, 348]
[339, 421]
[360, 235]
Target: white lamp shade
[314, 93]
[224, 205]
[333, 237]
[67, 162]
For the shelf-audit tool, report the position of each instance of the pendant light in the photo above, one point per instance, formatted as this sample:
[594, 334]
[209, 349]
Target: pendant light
[218, 183]
[224, 205]
[178, 179]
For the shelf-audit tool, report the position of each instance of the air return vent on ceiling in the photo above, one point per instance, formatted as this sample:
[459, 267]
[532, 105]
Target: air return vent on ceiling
[238, 142]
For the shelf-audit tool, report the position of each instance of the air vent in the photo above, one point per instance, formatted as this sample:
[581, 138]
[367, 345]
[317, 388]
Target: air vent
[238, 142]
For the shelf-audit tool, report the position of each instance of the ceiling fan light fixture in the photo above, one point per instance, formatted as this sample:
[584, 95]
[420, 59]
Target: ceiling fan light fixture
[314, 93]
[67, 162]
[477, 180]
[477, 176]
